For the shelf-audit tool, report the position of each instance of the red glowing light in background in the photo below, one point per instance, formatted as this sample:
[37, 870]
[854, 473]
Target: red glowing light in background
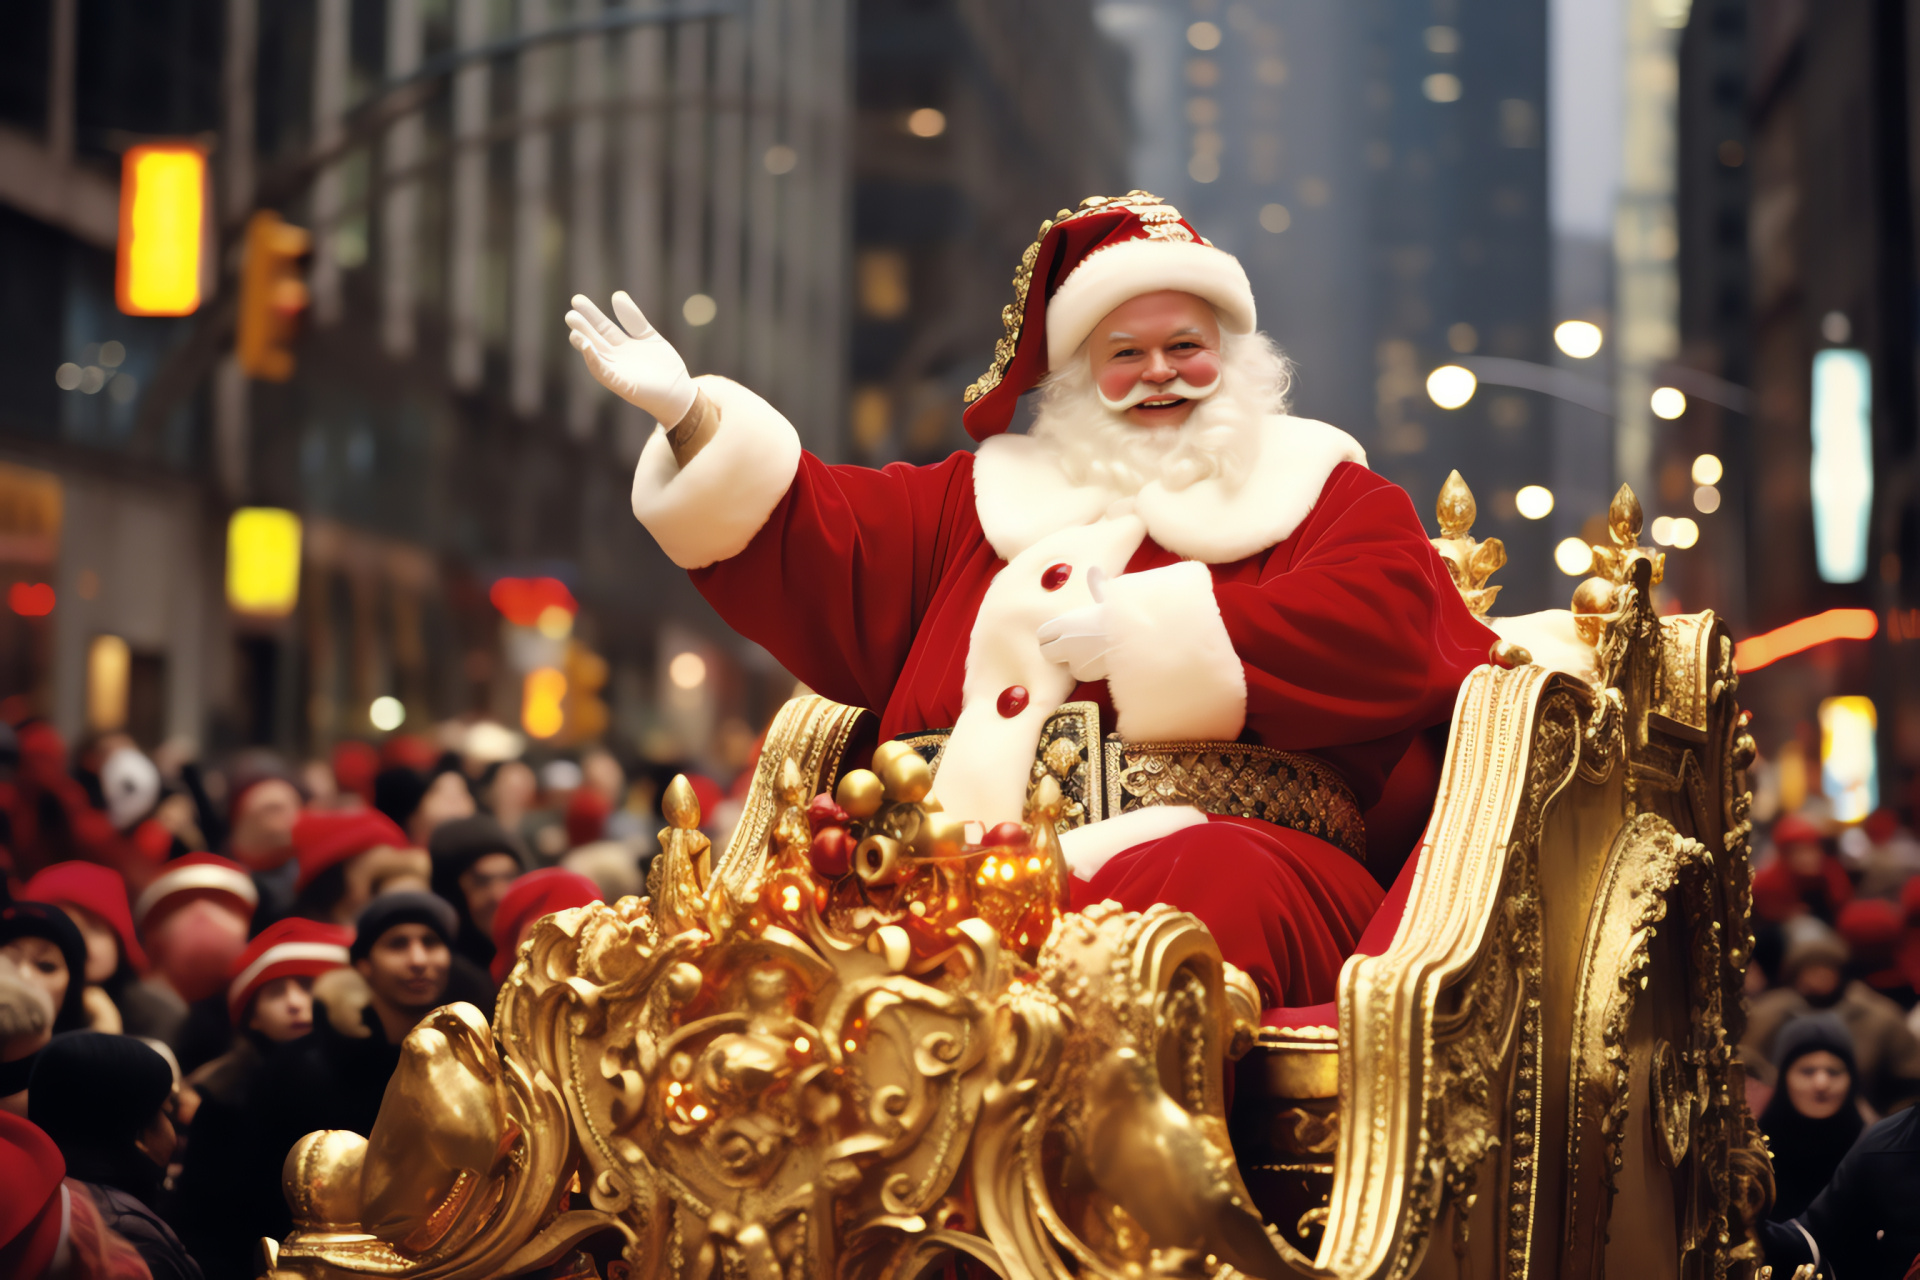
[1769, 647]
[521, 601]
[30, 599]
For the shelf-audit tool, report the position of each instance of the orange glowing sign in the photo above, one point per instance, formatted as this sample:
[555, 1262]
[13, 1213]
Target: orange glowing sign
[1769, 647]
[163, 196]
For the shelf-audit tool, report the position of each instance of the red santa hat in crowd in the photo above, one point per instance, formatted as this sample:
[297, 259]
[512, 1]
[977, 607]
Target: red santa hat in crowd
[324, 838]
[290, 948]
[33, 1214]
[536, 894]
[196, 876]
[94, 888]
[1086, 263]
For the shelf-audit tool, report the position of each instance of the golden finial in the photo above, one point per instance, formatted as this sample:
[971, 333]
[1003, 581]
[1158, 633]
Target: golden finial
[1471, 563]
[1456, 508]
[1615, 562]
[680, 805]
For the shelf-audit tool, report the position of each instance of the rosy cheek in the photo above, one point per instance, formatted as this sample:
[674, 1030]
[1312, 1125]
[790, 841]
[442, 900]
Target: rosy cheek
[1201, 368]
[1116, 380]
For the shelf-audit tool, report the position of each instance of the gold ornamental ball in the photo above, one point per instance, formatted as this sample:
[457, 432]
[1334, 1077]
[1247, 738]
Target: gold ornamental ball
[942, 835]
[907, 777]
[887, 752]
[860, 793]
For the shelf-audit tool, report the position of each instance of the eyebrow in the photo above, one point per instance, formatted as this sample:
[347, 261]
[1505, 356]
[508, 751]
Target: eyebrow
[1117, 336]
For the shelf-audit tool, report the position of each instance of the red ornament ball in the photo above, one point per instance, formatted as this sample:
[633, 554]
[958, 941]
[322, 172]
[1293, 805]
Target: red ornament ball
[823, 812]
[1056, 576]
[1006, 833]
[832, 851]
[1013, 700]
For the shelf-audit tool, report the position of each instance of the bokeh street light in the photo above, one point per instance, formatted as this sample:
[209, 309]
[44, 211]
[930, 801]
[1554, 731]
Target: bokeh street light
[1578, 338]
[1668, 402]
[1534, 501]
[1707, 469]
[1451, 386]
[1573, 557]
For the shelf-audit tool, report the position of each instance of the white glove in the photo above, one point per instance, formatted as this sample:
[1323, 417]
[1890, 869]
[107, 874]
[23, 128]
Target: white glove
[1078, 638]
[637, 363]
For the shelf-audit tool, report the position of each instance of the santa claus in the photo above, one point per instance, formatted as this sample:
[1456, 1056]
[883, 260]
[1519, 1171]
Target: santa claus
[1165, 542]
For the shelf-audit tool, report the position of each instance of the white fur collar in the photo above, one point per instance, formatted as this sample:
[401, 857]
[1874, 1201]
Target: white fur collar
[1021, 494]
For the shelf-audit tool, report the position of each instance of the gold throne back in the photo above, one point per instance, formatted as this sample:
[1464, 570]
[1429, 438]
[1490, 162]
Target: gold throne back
[738, 1077]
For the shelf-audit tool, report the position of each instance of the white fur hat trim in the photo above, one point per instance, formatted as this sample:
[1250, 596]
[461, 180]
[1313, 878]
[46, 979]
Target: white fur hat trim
[1108, 277]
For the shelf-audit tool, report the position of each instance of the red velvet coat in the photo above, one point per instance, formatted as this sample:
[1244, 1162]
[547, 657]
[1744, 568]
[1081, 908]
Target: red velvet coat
[1348, 634]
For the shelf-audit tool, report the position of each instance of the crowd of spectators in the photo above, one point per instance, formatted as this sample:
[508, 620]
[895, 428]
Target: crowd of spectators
[1832, 1043]
[198, 966]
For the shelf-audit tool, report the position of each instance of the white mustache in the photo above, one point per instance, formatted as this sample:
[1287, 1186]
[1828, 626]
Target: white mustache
[1142, 391]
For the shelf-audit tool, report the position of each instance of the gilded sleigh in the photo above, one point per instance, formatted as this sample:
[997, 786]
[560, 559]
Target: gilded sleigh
[922, 1066]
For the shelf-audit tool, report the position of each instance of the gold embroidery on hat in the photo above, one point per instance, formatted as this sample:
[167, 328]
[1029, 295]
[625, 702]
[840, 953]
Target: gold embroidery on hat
[1163, 223]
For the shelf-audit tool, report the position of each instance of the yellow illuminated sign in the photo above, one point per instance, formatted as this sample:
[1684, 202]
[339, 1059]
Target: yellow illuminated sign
[109, 668]
[1849, 758]
[163, 192]
[263, 561]
[543, 695]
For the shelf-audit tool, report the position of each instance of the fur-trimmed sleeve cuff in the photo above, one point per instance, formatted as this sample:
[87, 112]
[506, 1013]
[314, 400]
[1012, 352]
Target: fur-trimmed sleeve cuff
[710, 509]
[1172, 670]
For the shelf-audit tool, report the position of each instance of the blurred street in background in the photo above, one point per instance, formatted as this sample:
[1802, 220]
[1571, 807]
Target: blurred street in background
[293, 453]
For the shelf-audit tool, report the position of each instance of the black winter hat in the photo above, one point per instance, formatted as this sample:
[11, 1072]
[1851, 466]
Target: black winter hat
[94, 1091]
[407, 906]
[43, 920]
[458, 844]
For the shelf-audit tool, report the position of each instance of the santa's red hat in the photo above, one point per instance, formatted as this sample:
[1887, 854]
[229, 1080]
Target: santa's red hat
[1086, 263]
[94, 888]
[198, 875]
[536, 894]
[290, 948]
[324, 837]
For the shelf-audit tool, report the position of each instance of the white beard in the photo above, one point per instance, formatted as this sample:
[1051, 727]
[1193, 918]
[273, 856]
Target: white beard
[1095, 445]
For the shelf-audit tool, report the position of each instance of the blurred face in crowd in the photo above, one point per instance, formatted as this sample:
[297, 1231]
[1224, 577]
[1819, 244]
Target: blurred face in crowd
[1817, 1084]
[283, 1010]
[103, 944]
[1818, 982]
[1155, 357]
[511, 793]
[446, 799]
[263, 824]
[485, 883]
[41, 964]
[158, 1140]
[194, 946]
[381, 869]
[407, 969]
[1803, 857]
[604, 774]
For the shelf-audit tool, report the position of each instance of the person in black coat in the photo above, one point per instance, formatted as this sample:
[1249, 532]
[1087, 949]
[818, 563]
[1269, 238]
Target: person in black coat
[107, 1103]
[475, 862]
[1866, 1224]
[334, 1079]
[1813, 1118]
[228, 1194]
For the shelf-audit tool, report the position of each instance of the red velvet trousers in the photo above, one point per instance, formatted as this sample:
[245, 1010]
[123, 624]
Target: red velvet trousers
[1285, 907]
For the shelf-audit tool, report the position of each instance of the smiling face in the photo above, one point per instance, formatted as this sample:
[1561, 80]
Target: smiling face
[1155, 357]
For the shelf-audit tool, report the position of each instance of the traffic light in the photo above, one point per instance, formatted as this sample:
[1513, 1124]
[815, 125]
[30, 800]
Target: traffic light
[163, 197]
[273, 295]
[586, 712]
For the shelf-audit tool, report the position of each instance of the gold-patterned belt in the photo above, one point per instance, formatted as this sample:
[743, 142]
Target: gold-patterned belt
[1103, 777]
